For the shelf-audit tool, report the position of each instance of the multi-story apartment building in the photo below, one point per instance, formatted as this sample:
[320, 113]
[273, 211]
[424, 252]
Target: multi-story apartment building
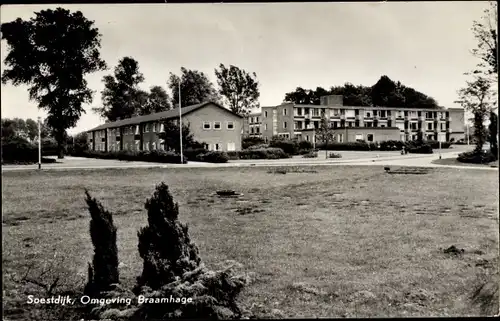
[217, 127]
[252, 125]
[351, 123]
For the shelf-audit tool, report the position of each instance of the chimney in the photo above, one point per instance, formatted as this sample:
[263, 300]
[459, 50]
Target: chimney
[332, 100]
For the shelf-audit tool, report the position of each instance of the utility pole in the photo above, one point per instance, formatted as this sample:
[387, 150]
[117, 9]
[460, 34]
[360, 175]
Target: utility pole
[180, 122]
[39, 143]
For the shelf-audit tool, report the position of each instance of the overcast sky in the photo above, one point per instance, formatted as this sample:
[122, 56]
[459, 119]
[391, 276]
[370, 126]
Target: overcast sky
[425, 45]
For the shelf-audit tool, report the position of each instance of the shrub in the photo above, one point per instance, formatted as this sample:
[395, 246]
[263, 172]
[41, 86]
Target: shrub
[248, 142]
[233, 155]
[435, 144]
[49, 147]
[310, 155]
[159, 156]
[258, 146]
[265, 153]
[333, 155]
[103, 272]
[290, 147]
[351, 146]
[420, 149]
[390, 145]
[476, 158]
[16, 149]
[305, 145]
[191, 153]
[213, 157]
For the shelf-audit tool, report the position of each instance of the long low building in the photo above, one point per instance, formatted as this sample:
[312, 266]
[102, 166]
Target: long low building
[217, 127]
[294, 121]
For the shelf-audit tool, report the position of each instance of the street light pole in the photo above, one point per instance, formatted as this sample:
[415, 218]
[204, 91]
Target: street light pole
[467, 133]
[180, 123]
[39, 143]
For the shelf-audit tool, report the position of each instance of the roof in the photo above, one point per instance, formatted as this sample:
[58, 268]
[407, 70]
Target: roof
[168, 114]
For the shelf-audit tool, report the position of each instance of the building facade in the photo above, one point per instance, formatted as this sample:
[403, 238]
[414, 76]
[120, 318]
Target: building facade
[252, 125]
[215, 126]
[292, 121]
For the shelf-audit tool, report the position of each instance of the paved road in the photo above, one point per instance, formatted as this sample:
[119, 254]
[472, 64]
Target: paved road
[348, 158]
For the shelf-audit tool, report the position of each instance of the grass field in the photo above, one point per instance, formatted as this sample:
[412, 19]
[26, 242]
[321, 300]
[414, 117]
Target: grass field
[454, 161]
[329, 242]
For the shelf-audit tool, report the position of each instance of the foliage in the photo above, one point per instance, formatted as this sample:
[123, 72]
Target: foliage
[325, 133]
[18, 149]
[158, 100]
[156, 156]
[383, 93]
[262, 153]
[212, 157]
[311, 154]
[164, 244]
[171, 136]
[478, 98]
[493, 130]
[121, 97]
[435, 144]
[305, 145]
[239, 88]
[420, 149]
[251, 141]
[78, 144]
[484, 157]
[50, 148]
[389, 145]
[51, 54]
[196, 88]
[347, 146]
[103, 272]
[486, 34]
[290, 147]
[333, 155]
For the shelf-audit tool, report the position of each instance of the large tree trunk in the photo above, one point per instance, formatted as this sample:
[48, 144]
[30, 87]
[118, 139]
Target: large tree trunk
[60, 144]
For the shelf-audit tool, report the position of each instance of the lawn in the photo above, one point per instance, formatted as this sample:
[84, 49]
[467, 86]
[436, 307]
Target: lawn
[454, 161]
[329, 242]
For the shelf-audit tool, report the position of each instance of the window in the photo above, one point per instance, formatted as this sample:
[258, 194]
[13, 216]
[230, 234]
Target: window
[340, 138]
[307, 137]
[153, 146]
[414, 126]
[429, 126]
[359, 136]
[206, 125]
[284, 124]
[382, 125]
[265, 113]
[299, 125]
[306, 111]
[137, 129]
[126, 146]
[369, 137]
[230, 125]
[162, 128]
[154, 128]
[231, 147]
[257, 130]
[368, 114]
[265, 126]
[284, 111]
[443, 126]
[295, 125]
[216, 147]
[217, 125]
[299, 111]
[382, 114]
[146, 146]
[251, 130]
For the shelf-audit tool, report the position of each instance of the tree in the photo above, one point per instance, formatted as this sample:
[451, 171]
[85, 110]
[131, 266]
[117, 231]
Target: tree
[478, 97]
[121, 97]
[196, 88]
[239, 88]
[325, 133]
[171, 136]
[32, 129]
[486, 33]
[157, 101]
[103, 272]
[51, 54]
[387, 93]
[353, 95]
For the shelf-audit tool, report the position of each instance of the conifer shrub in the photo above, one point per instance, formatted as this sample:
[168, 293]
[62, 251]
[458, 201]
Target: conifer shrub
[103, 272]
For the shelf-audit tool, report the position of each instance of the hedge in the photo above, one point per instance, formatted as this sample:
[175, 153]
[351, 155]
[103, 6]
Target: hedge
[264, 153]
[420, 149]
[212, 157]
[157, 156]
[477, 158]
[17, 150]
[290, 147]
[348, 146]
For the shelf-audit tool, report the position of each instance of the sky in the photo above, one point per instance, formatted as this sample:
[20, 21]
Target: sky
[425, 45]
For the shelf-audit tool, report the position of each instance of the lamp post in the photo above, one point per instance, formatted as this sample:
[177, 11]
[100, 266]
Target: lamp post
[39, 143]
[180, 123]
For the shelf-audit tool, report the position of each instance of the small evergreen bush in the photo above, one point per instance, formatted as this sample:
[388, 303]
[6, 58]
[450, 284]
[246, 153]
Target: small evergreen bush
[290, 147]
[103, 272]
[333, 155]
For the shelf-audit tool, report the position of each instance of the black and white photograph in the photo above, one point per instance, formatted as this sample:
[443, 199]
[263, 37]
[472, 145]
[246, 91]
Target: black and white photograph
[249, 160]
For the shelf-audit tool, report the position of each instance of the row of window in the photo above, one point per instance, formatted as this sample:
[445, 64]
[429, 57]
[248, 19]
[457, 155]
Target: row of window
[217, 125]
[305, 111]
[147, 146]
